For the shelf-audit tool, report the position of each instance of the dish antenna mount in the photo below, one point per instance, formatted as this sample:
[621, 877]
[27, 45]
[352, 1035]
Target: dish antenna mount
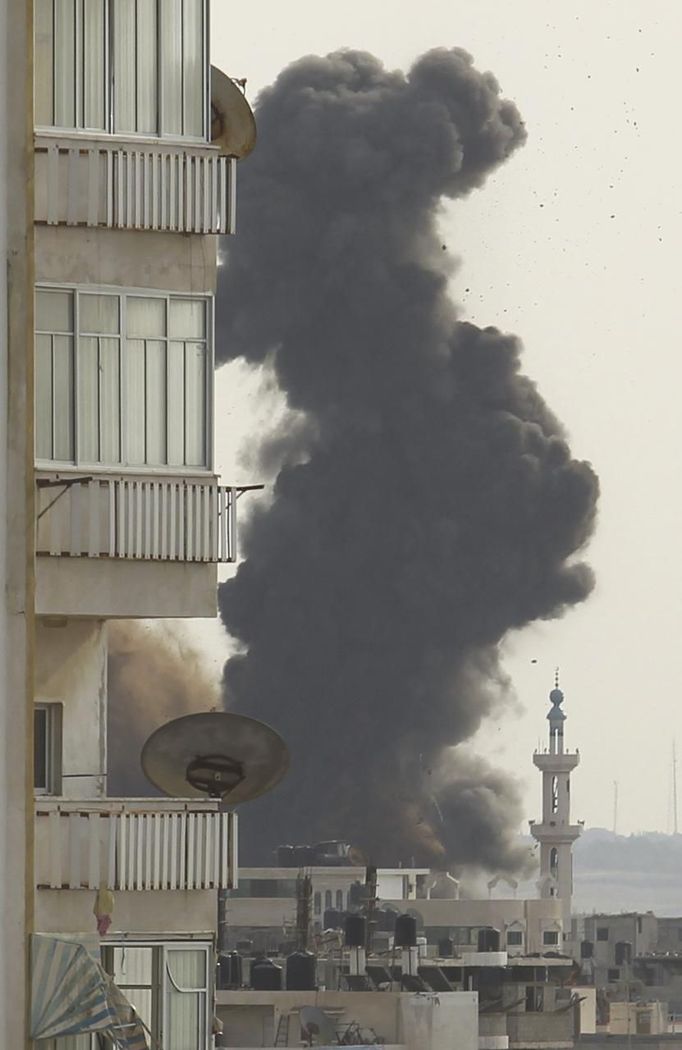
[233, 126]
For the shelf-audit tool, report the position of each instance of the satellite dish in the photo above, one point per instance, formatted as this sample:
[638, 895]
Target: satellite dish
[216, 753]
[315, 1024]
[233, 127]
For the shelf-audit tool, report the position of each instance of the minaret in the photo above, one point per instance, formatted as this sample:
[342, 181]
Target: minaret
[555, 833]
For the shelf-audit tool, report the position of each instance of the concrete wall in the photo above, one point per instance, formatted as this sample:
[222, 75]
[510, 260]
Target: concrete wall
[639, 930]
[71, 668]
[161, 912]
[536, 1031]
[132, 258]
[419, 1022]
[16, 514]
[125, 589]
[669, 935]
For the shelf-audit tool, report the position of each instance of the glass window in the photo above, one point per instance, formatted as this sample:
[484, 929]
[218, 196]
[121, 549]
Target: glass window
[129, 66]
[339, 900]
[514, 937]
[168, 986]
[550, 937]
[317, 903]
[47, 748]
[112, 388]
[602, 933]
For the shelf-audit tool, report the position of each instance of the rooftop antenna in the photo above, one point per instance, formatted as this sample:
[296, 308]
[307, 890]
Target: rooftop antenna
[615, 807]
[675, 827]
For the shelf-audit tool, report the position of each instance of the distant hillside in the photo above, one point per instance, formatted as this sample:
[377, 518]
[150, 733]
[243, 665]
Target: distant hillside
[628, 872]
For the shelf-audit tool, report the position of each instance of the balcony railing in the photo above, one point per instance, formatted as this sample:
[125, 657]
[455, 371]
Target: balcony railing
[134, 186]
[158, 519]
[134, 844]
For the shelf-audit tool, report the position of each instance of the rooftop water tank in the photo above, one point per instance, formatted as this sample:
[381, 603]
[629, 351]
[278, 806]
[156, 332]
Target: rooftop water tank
[266, 976]
[301, 974]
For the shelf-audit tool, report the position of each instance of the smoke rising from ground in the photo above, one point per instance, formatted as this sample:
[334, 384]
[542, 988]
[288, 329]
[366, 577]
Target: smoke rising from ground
[154, 676]
[429, 505]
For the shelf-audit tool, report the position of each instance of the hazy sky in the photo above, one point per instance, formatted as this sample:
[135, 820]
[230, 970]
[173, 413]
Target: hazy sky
[573, 245]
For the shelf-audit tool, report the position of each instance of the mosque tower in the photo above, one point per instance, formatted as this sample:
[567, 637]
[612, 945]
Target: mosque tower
[555, 833]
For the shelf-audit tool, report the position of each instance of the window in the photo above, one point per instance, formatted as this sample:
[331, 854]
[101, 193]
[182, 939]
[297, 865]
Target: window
[317, 903]
[168, 985]
[534, 998]
[550, 937]
[327, 899]
[602, 933]
[134, 67]
[554, 861]
[339, 900]
[47, 748]
[514, 937]
[555, 794]
[613, 974]
[122, 379]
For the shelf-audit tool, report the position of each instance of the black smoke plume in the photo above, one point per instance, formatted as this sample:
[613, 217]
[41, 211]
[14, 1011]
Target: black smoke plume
[434, 504]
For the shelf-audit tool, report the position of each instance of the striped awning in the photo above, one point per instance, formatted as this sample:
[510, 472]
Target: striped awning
[72, 994]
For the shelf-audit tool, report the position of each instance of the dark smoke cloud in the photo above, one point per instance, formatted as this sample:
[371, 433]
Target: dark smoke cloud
[435, 504]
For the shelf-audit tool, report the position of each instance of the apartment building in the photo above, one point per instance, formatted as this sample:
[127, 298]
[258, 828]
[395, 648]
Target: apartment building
[117, 173]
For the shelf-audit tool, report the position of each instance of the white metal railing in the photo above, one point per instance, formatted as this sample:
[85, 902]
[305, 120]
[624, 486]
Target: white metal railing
[187, 189]
[119, 516]
[134, 844]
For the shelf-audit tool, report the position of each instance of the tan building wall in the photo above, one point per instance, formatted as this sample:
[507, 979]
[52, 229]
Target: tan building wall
[121, 589]
[136, 914]
[128, 258]
[71, 669]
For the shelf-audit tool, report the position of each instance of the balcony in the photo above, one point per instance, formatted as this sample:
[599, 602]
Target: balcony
[134, 844]
[135, 517]
[141, 185]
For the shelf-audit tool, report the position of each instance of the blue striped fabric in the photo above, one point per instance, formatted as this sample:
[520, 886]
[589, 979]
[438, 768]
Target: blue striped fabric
[72, 994]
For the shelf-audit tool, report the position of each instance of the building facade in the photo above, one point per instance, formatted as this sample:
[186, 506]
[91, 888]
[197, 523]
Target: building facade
[116, 176]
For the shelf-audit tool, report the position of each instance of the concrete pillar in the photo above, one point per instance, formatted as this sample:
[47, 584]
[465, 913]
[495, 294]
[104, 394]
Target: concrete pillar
[16, 514]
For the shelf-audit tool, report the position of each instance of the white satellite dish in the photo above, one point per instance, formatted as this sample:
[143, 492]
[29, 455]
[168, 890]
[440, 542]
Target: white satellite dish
[233, 126]
[216, 754]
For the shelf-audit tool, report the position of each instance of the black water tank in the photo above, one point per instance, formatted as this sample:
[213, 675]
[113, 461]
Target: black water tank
[405, 931]
[446, 948]
[488, 939]
[266, 976]
[301, 972]
[623, 953]
[586, 949]
[355, 931]
[230, 970]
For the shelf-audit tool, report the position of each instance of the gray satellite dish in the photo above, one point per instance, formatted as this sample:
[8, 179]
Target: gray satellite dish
[316, 1024]
[218, 754]
[233, 126]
